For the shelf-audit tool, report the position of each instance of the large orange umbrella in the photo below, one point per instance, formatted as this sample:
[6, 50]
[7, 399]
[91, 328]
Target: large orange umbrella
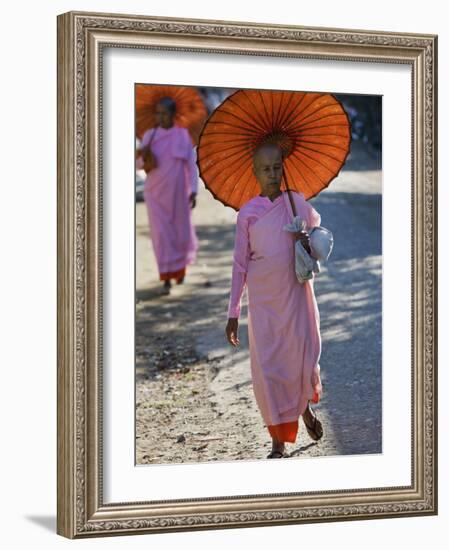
[312, 128]
[190, 109]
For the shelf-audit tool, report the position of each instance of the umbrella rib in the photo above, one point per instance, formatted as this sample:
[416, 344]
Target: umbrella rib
[272, 109]
[321, 153]
[264, 106]
[243, 186]
[237, 181]
[303, 135]
[284, 176]
[288, 171]
[301, 120]
[296, 153]
[254, 186]
[288, 114]
[243, 155]
[304, 179]
[301, 132]
[301, 177]
[316, 175]
[325, 126]
[249, 127]
[314, 100]
[216, 191]
[215, 133]
[250, 122]
[311, 131]
[252, 115]
[295, 107]
[276, 118]
[281, 116]
[286, 106]
[302, 146]
[301, 124]
[234, 127]
[243, 135]
[222, 150]
[321, 143]
[256, 114]
[243, 143]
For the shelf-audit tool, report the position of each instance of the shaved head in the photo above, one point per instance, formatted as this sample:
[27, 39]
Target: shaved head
[264, 149]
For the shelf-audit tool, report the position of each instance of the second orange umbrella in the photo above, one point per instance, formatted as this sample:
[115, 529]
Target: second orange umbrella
[190, 109]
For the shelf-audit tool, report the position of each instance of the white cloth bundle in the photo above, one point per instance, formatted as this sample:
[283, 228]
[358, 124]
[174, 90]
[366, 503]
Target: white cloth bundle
[321, 243]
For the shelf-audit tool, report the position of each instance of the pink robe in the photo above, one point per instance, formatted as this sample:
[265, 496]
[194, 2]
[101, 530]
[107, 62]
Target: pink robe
[283, 318]
[166, 192]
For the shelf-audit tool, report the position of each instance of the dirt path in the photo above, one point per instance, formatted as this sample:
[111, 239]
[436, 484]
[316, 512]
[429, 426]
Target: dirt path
[194, 395]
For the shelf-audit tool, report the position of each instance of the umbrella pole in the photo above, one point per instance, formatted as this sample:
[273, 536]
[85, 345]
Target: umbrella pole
[289, 195]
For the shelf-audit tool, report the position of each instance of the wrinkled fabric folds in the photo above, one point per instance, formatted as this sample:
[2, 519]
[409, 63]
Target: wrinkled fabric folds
[283, 317]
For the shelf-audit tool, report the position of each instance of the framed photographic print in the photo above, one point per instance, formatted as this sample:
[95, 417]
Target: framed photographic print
[246, 272]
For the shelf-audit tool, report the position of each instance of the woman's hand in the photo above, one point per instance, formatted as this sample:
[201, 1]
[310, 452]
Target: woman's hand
[304, 238]
[192, 200]
[232, 333]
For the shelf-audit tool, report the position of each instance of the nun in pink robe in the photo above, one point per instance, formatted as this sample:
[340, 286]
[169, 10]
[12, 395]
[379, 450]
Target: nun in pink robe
[167, 192]
[283, 318]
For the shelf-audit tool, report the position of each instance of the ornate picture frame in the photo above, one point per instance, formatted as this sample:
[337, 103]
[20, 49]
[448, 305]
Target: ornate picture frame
[82, 38]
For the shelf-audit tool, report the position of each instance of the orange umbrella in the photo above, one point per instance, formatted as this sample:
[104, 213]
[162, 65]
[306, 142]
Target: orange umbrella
[312, 128]
[190, 109]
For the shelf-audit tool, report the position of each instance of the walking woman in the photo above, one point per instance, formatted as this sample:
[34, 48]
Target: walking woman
[283, 318]
[170, 192]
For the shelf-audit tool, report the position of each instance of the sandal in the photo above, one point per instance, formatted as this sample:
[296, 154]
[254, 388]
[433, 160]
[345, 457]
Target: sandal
[315, 430]
[274, 453]
[166, 288]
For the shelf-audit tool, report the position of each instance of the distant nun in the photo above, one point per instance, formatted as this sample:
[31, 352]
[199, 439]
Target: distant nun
[170, 191]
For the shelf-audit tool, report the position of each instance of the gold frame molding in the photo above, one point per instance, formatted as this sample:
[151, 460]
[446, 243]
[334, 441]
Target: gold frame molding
[81, 39]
